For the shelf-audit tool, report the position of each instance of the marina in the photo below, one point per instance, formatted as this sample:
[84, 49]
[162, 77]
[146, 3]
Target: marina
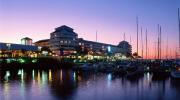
[89, 50]
[74, 85]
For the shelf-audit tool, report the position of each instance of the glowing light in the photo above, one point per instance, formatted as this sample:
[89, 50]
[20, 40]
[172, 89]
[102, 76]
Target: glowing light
[22, 75]
[21, 60]
[8, 45]
[6, 77]
[109, 78]
[8, 61]
[44, 77]
[74, 76]
[148, 76]
[39, 48]
[34, 60]
[178, 69]
[19, 72]
[50, 75]
[39, 77]
[33, 74]
[109, 49]
[61, 75]
[45, 53]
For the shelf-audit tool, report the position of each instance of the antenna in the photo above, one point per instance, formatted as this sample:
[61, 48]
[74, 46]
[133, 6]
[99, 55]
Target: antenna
[130, 39]
[96, 36]
[137, 33]
[124, 37]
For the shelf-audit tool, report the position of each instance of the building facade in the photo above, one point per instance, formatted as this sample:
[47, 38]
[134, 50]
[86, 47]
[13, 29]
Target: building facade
[17, 50]
[64, 41]
[126, 48]
[43, 43]
[26, 41]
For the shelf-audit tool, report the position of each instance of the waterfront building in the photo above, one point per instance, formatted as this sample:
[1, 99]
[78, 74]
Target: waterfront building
[26, 49]
[64, 41]
[126, 48]
[43, 43]
[96, 47]
[44, 46]
[26, 41]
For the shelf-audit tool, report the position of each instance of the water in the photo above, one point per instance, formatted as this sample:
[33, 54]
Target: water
[70, 85]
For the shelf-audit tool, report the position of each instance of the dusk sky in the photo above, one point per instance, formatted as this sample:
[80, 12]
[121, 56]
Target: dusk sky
[110, 18]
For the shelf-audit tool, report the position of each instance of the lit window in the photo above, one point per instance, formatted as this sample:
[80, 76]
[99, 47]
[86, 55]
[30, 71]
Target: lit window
[65, 41]
[61, 41]
[79, 43]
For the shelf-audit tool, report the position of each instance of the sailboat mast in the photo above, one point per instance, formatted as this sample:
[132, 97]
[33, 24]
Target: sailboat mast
[142, 43]
[179, 27]
[167, 48]
[146, 44]
[137, 33]
[160, 42]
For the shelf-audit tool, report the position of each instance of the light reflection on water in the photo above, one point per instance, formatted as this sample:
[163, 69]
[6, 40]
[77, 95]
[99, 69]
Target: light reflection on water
[67, 84]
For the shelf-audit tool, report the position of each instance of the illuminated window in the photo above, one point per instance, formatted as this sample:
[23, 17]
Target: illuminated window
[23, 41]
[79, 43]
[109, 49]
[61, 41]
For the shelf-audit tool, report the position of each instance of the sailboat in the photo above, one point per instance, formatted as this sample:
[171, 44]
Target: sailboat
[175, 73]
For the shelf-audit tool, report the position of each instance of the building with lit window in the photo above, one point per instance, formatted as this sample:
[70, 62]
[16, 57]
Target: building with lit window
[64, 41]
[43, 43]
[26, 41]
[26, 49]
[98, 47]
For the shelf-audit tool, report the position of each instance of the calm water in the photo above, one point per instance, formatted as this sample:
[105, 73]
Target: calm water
[70, 85]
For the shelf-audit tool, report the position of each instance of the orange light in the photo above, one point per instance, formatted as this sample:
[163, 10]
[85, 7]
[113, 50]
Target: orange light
[178, 69]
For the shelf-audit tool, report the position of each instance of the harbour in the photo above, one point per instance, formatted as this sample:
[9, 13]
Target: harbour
[89, 50]
[75, 85]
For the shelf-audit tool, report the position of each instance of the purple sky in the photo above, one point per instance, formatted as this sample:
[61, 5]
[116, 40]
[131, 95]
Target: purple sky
[111, 18]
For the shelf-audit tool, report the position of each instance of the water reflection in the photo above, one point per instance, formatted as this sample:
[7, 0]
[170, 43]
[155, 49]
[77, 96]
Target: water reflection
[67, 84]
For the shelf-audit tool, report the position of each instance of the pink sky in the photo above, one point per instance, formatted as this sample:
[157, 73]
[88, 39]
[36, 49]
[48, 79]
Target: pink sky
[111, 19]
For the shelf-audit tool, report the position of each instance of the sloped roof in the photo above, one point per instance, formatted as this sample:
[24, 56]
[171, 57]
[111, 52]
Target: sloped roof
[26, 38]
[45, 40]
